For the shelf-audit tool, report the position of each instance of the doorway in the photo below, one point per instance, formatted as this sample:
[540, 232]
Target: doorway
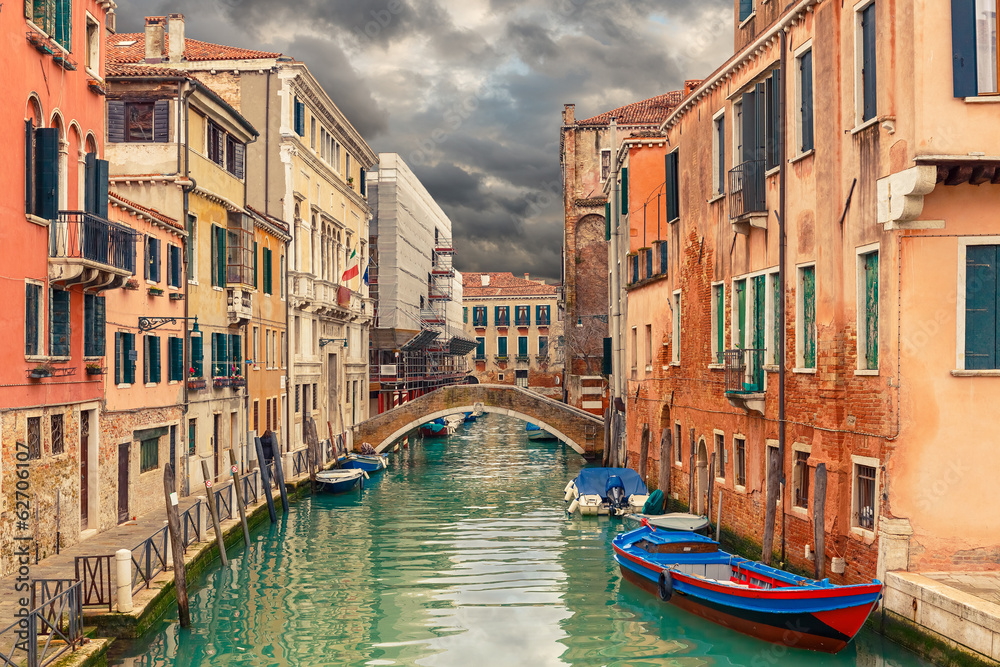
[124, 450]
[701, 486]
[84, 469]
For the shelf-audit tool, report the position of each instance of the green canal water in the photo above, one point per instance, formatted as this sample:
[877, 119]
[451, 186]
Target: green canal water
[460, 554]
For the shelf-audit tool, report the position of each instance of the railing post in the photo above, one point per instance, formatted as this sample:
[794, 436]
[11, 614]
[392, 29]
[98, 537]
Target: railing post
[202, 523]
[123, 565]
[168, 558]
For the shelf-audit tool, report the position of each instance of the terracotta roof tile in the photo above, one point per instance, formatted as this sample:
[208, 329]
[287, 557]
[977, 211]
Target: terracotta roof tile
[647, 112]
[151, 212]
[123, 69]
[194, 49]
[503, 284]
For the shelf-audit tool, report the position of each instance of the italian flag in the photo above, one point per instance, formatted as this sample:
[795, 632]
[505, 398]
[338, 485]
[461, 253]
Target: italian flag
[352, 272]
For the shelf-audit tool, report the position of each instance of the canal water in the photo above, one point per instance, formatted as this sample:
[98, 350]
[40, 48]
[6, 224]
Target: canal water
[460, 554]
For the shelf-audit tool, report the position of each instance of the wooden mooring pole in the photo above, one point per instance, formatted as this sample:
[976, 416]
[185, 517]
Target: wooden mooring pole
[819, 521]
[213, 509]
[176, 545]
[265, 480]
[664, 483]
[279, 475]
[239, 498]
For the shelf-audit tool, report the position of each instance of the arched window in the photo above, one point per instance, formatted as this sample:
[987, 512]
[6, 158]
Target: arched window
[41, 164]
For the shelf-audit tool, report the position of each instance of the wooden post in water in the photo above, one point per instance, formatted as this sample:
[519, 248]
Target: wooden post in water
[176, 545]
[265, 480]
[239, 498]
[665, 448]
[819, 521]
[773, 485]
[312, 453]
[213, 509]
[279, 475]
[644, 452]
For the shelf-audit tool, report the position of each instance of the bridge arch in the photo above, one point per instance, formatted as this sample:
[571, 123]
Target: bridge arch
[582, 431]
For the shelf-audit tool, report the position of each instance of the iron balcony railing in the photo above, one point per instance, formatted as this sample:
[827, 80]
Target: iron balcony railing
[746, 189]
[744, 371]
[82, 235]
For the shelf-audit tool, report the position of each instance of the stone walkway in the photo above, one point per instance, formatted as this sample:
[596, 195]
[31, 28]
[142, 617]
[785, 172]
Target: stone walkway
[985, 585]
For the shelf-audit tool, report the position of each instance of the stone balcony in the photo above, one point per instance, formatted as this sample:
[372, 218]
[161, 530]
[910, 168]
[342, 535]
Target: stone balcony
[90, 251]
[239, 305]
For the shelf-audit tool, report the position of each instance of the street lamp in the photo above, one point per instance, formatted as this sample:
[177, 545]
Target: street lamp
[579, 320]
[325, 341]
[150, 323]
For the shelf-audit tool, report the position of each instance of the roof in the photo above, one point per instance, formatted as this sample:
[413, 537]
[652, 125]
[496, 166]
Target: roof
[125, 69]
[647, 112]
[503, 284]
[194, 50]
[277, 222]
[151, 212]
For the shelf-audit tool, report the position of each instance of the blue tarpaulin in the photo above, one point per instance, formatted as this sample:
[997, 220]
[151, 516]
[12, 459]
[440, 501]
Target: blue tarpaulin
[593, 481]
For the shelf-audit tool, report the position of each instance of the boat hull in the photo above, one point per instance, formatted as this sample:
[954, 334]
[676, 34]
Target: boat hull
[367, 463]
[824, 624]
[338, 483]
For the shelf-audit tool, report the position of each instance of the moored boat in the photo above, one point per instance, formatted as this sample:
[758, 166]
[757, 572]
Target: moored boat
[339, 481]
[536, 432]
[681, 521]
[433, 429]
[602, 491]
[366, 462]
[690, 571]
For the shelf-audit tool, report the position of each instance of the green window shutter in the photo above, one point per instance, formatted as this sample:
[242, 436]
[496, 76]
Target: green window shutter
[809, 317]
[502, 346]
[607, 221]
[267, 270]
[624, 192]
[465, 315]
[672, 186]
[255, 265]
[806, 83]
[774, 119]
[741, 314]
[981, 295]
[129, 347]
[145, 358]
[720, 322]
[522, 346]
[90, 183]
[480, 347]
[963, 48]
[776, 286]
[64, 24]
[759, 299]
[59, 339]
[32, 305]
[47, 173]
[94, 325]
[155, 365]
[101, 179]
[235, 355]
[29, 167]
[198, 356]
[868, 63]
[606, 359]
[175, 359]
[118, 358]
[746, 9]
[871, 310]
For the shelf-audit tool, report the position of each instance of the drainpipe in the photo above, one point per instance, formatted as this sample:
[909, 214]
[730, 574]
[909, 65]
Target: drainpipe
[613, 266]
[184, 90]
[782, 254]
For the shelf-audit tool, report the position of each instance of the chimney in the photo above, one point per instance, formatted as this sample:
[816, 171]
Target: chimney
[154, 39]
[485, 279]
[569, 114]
[526, 276]
[175, 28]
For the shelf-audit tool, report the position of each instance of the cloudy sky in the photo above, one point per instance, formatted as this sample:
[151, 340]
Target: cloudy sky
[470, 92]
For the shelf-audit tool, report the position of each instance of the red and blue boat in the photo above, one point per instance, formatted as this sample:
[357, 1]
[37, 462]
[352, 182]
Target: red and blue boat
[691, 572]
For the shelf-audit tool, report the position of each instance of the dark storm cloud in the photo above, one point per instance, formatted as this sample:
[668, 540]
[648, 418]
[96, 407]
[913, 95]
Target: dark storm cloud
[470, 92]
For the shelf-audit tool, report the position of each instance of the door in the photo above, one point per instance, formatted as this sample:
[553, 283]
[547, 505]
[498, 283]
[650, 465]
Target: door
[123, 466]
[306, 410]
[84, 456]
[701, 499]
[756, 361]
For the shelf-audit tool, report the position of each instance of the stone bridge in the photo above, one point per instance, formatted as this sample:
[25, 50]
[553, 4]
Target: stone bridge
[580, 430]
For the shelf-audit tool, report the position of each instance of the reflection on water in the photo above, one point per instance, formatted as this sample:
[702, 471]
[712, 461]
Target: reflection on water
[460, 554]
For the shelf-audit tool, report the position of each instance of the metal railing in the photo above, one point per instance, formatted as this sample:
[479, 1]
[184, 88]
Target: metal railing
[746, 189]
[191, 525]
[744, 371]
[300, 462]
[224, 503]
[149, 558]
[249, 488]
[82, 235]
[58, 618]
[94, 573]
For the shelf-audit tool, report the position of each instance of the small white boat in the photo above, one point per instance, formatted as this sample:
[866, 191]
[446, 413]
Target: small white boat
[454, 421]
[606, 491]
[338, 481]
[538, 433]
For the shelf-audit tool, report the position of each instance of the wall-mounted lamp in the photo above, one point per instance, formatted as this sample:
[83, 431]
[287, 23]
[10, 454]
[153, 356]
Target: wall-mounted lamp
[325, 341]
[579, 320]
[150, 323]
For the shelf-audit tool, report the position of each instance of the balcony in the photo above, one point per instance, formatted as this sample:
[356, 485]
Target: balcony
[239, 305]
[87, 250]
[745, 379]
[747, 196]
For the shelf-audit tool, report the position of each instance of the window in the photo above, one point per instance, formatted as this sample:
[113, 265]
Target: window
[633, 269]
[220, 355]
[648, 254]
[41, 170]
[56, 433]
[140, 121]
[502, 315]
[746, 9]
[865, 63]
[663, 257]
[739, 312]
[256, 345]
[314, 395]
[33, 326]
[863, 515]
[677, 443]
[125, 358]
[775, 279]
[336, 155]
[974, 28]
[152, 259]
[718, 322]
[266, 263]
[522, 316]
[720, 455]
[719, 153]
[624, 191]
[281, 276]
[59, 323]
[805, 325]
[312, 133]
[805, 100]
[347, 164]
[605, 164]
[738, 131]
[239, 249]
[868, 310]
[300, 117]
[480, 347]
[740, 450]
[800, 479]
[175, 359]
[151, 357]
[235, 355]
[173, 266]
[93, 325]
[672, 186]
[297, 387]
[521, 379]
[543, 346]
[502, 347]
[192, 248]
[216, 144]
[54, 18]
[982, 297]
[235, 156]
[282, 351]
[149, 454]
[192, 437]
[197, 347]
[649, 347]
[543, 316]
[479, 316]
[634, 350]
[93, 44]
[522, 348]
[465, 314]
[675, 345]
[34, 438]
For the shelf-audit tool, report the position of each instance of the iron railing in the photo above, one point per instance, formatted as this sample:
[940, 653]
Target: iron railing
[249, 488]
[746, 189]
[191, 525]
[94, 572]
[149, 558]
[82, 235]
[300, 462]
[744, 371]
[58, 617]
[224, 503]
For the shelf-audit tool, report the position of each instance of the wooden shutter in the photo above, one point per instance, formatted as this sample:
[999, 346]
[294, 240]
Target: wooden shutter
[255, 264]
[607, 221]
[746, 9]
[981, 295]
[300, 118]
[161, 121]
[32, 304]
[222, 258]
[502, 346]
[90, 183]
[720, 322]
[267, 272]
[760, 122]
[235, 355]
[672, 185]
[748, 127]
[963, 48]
[129, 347]
[806, 92]
[776, 332]
[154, 356]
[606, 359]
[118, 358]
[198, 356]
[64, 24]
[59, 324]
[145, 358]
[871, 310]
[29, 167]
[624, 191]
[741, 314]
[116, 121]
[522, 346]
[94, 325]
[774, 119]
[101, 178]
[809, 317]
[175, 359]
[239, 159]
[47, 173]
[868, 62]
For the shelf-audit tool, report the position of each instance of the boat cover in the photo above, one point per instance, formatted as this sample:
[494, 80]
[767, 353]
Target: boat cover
[593, 481]
[532, 427]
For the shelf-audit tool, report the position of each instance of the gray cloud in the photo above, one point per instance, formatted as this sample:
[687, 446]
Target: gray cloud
[470, 92]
